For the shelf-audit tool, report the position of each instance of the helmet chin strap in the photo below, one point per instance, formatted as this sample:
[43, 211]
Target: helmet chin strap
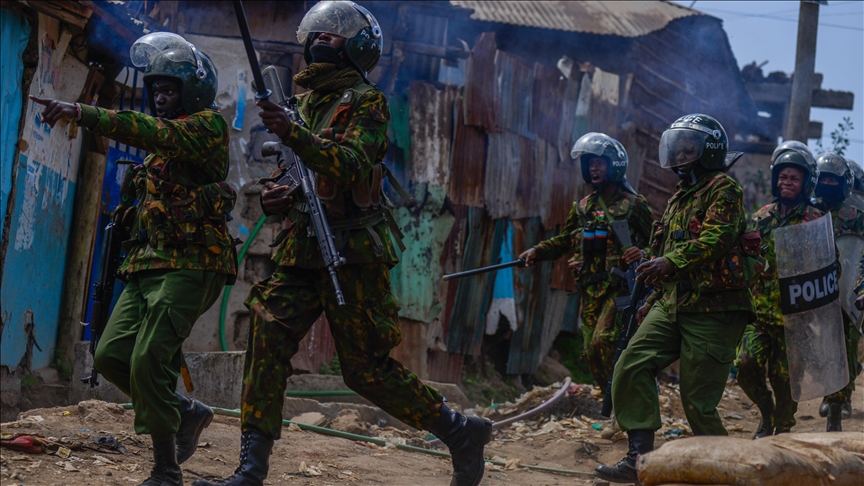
[688, 176]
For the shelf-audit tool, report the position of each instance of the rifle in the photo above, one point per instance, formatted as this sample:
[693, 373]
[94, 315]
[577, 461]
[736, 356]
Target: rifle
[296, 172]
[627, 306]
[519, 262]
[103, 292]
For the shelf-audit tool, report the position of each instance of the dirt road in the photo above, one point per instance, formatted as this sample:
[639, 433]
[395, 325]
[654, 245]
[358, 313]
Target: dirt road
[306, 458]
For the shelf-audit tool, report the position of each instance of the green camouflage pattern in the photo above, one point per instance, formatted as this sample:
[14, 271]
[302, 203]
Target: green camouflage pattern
[699, 234]
[600, 329]
[365, 329]
[182, 194]
[848, 219]
[763, 352]
[342, 153]
[600, 326]
[621, 205]
[766, 293]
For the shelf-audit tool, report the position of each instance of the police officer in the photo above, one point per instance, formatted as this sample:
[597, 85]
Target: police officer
[763, 346]
[177, 261]
[604, 165]
[700, 305]
[834, 186]
[344, 143]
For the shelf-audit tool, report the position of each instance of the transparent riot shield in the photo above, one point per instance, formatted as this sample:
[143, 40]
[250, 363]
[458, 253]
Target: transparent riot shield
[809, 301]
[851, 248]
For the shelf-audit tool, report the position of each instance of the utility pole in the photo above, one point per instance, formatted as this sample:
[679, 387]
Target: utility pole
[798, 121]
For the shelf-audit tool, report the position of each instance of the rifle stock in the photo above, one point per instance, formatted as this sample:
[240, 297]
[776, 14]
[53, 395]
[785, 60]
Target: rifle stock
[265, 86]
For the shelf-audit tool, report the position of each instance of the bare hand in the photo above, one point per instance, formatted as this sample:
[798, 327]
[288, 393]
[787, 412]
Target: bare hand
[272, 200]
[56, 110]
[275, 118]
[651, 273]
[529, 255]
[641, 313]
[859, 302]
[632, 255]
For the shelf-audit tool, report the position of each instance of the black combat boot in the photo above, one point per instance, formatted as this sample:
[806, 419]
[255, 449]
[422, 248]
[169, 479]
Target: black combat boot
[166, 471]
[194, 418]
[765, 428]
[834, 417]
[641, 442]
[823, 408]
[465, 436]
[254, 463]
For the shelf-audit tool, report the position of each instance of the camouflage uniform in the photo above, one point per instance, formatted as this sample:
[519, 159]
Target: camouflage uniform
[178, 259]
[597, 287]
[848, 220]
[699, 313]
[346, 138]
[763, 347]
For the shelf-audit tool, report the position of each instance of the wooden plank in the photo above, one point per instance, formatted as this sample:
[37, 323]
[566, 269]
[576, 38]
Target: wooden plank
[58, 12]
[840, 100]
[782, 94]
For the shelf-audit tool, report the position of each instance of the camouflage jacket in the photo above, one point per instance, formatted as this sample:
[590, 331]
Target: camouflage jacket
[766, 293]
[342, 154]
[847, 219]
[589, 210]
[186, 170]
[699, 234]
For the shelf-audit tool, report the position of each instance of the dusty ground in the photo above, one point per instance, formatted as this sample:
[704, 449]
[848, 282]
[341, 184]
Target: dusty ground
[567, 438]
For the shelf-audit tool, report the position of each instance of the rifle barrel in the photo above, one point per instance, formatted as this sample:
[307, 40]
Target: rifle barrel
[264, 93]
[519, 262]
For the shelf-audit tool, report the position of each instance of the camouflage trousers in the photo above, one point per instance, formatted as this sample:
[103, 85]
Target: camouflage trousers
[852, 337]
[600, 329]
[763, 352]
[365, 329]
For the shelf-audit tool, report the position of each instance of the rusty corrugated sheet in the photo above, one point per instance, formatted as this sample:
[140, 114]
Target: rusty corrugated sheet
[625, 19]
[316, 348]
[529, 293]
[515, 84]
[481, 109]
[414, 281]
[445, 367]
[411, 352]
[547, 108]
[467, 163]
[431, 128]
[502, 193]
[473, 295]
[570, 321]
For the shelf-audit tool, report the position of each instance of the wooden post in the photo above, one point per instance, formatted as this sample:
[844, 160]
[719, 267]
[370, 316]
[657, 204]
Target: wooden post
[76, 282]
[798, 123]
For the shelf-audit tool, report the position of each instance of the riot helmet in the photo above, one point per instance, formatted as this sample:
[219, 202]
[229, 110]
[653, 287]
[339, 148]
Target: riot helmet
[602, 145]
[858, 174]
[363, 39]
[795, 153]
[833, 164]
[695, 138]
[163, 54]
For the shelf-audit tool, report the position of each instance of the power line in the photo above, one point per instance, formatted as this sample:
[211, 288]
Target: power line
[773, 17]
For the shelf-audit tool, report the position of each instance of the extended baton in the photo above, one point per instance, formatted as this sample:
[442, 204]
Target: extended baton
[519, 262]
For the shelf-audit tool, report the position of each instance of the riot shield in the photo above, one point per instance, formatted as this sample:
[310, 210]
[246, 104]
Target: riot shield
[856, 198]
[851, 248]
[809, 301]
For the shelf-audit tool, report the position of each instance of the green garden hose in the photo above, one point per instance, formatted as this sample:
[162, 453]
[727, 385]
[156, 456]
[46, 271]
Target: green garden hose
[227, 292]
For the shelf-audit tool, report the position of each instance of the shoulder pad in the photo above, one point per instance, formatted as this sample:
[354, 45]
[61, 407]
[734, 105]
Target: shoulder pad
[847, 212]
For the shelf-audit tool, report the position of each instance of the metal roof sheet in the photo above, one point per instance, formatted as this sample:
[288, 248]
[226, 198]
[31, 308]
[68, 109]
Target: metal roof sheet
[624, 19]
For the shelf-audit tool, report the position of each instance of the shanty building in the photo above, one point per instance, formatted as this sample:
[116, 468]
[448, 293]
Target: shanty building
[486, 97]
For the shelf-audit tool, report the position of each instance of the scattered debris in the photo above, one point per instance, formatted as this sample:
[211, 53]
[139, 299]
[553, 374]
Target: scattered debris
[348, 420]
[311, 418]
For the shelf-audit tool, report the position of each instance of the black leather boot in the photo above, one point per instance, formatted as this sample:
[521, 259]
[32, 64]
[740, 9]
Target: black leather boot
[641, 442]
[834, 417]
[823, 408]
[465, 436]
[765, 428]
[194, 418]
[254, 463]
[166, 471]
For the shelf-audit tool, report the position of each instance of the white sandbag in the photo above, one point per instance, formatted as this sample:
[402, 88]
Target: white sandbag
[785, 460]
